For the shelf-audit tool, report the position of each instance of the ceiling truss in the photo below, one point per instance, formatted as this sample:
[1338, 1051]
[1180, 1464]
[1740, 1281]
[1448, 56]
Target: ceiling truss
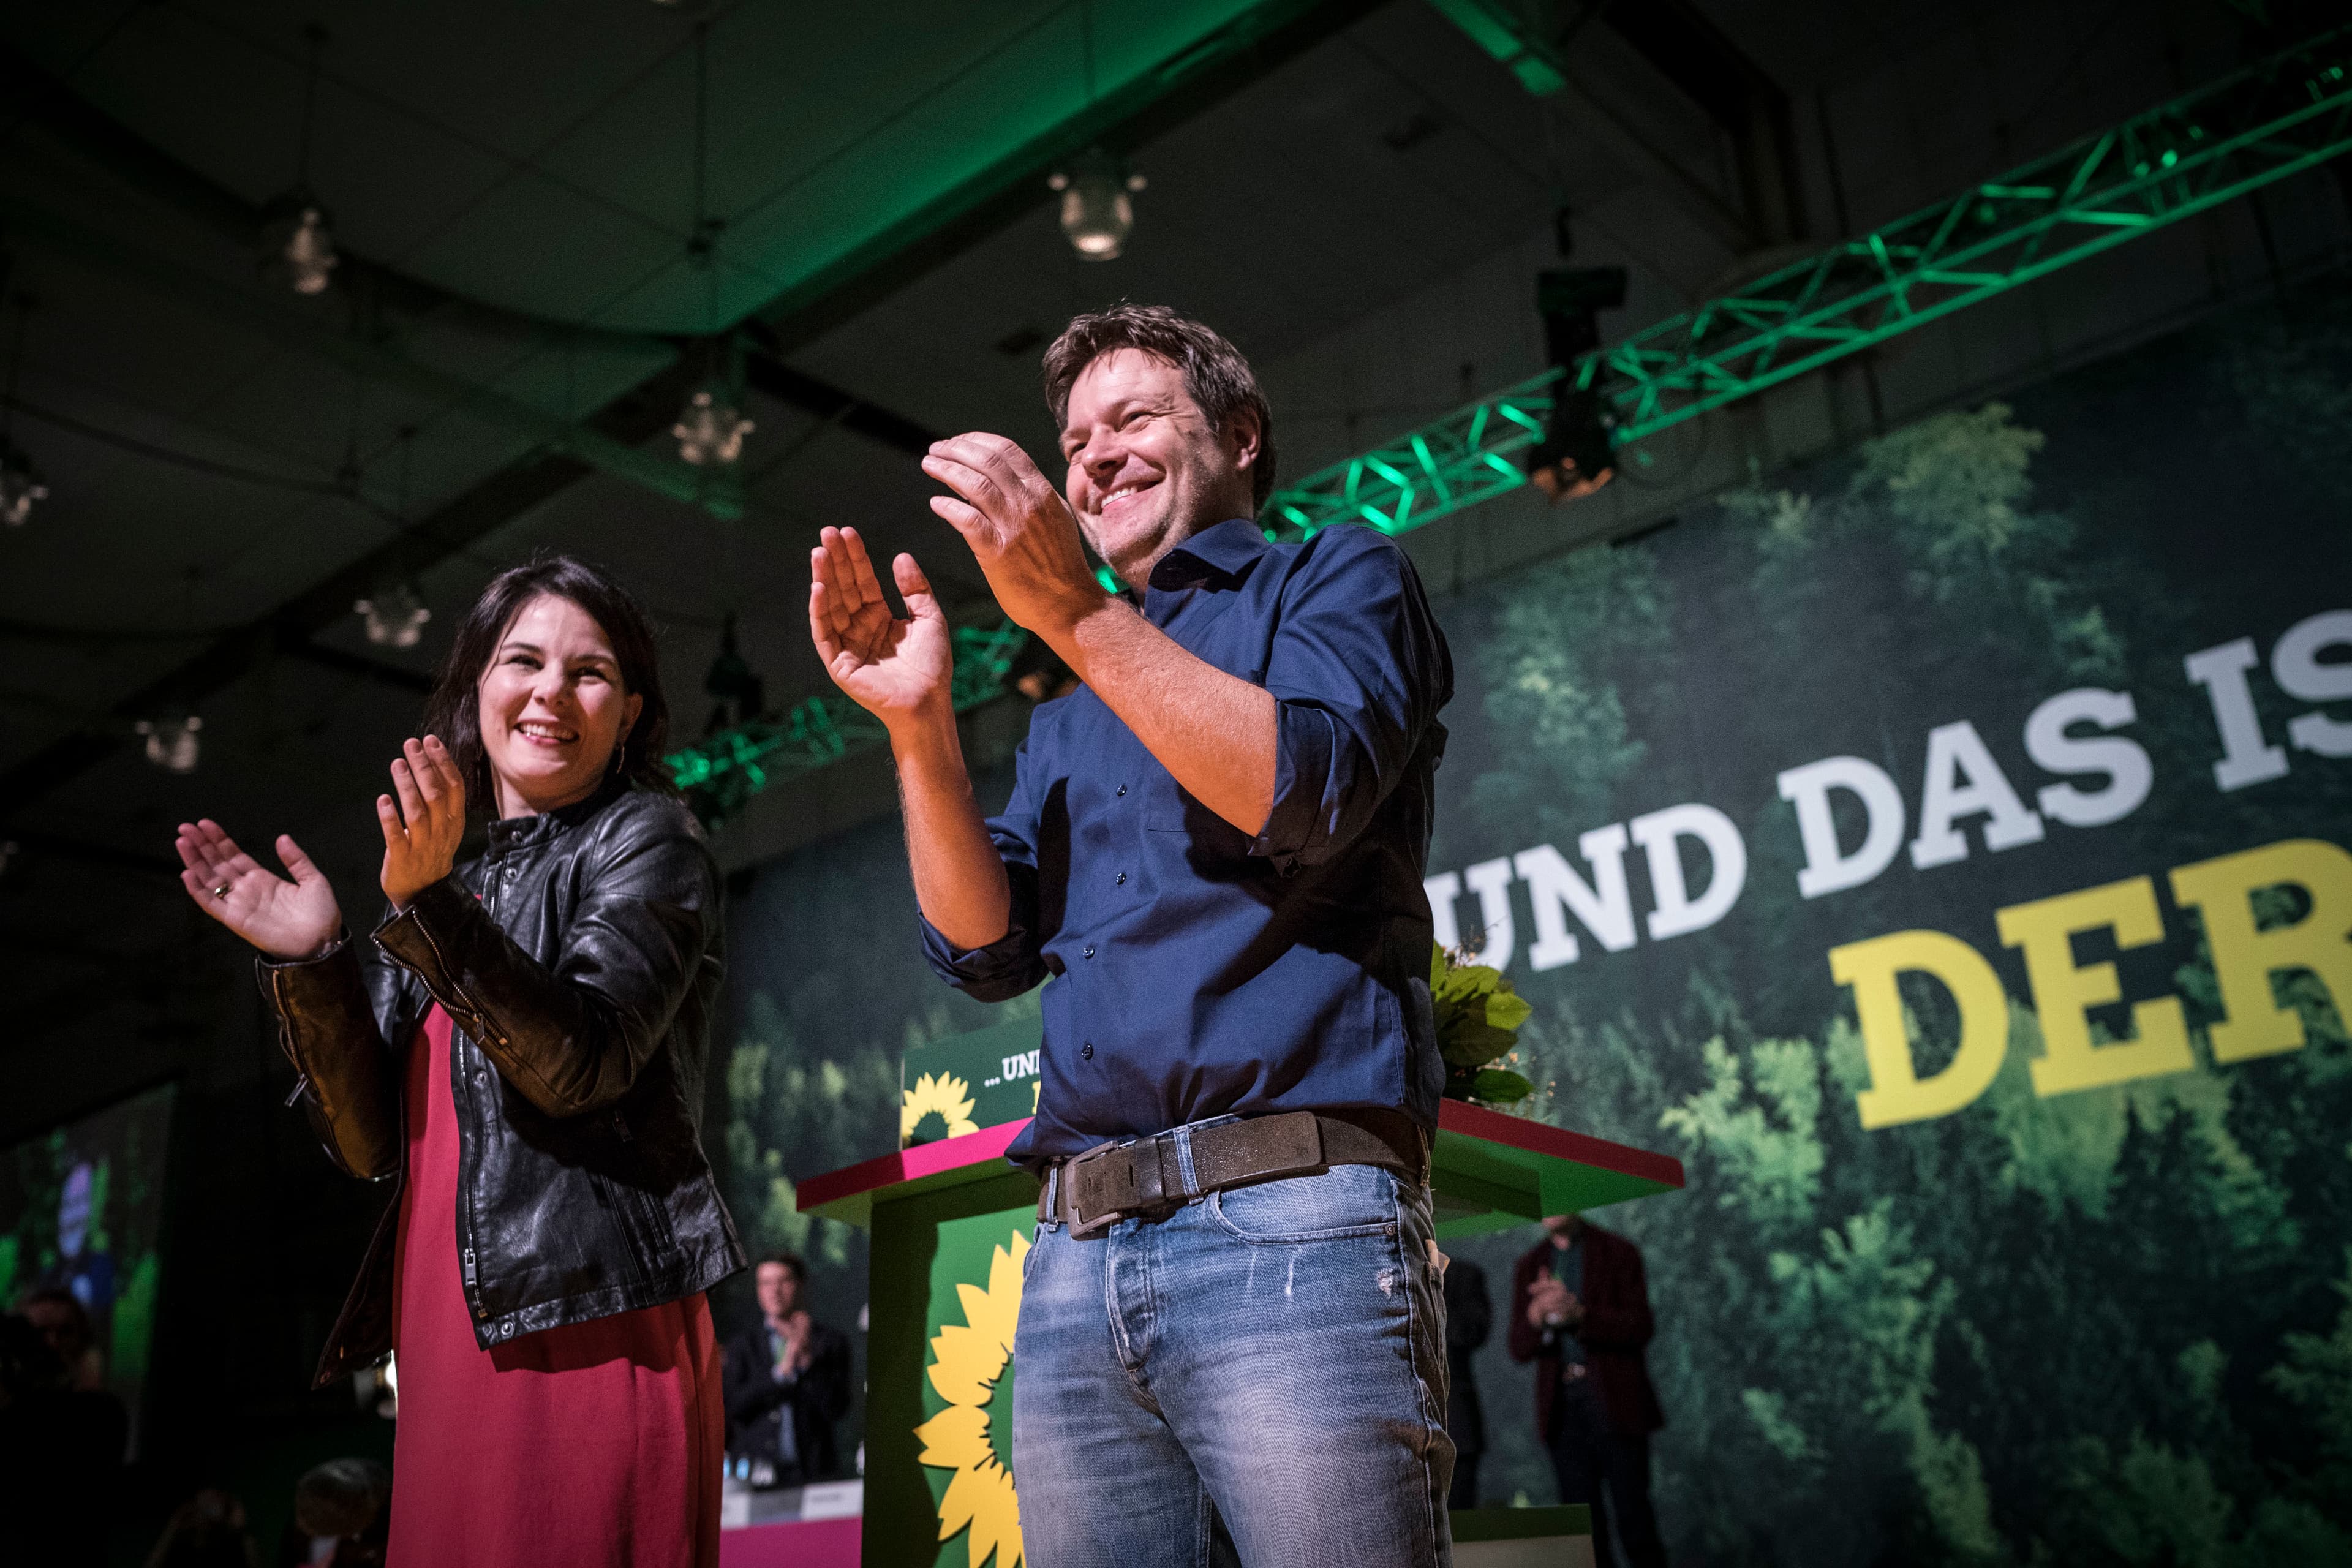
[2274, 120]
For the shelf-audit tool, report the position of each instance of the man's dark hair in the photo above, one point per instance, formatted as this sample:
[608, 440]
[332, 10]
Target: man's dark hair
[1216, 377]
[791, 1260]
[344, 1497]
[454, 710]
[27, 1365]
[58, 1296]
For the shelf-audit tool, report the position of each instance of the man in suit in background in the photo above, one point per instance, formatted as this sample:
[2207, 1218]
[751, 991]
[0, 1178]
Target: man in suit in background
[1469, 1319]
[1580, 1311]
[787, 1381]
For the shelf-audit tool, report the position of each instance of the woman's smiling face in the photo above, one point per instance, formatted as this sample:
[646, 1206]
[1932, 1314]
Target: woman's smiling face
[552, 708]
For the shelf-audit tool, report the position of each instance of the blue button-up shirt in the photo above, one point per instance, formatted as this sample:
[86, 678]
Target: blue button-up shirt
[1196, 970]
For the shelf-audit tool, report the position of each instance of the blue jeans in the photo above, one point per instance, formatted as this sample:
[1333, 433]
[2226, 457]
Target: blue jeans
[1259, 1379]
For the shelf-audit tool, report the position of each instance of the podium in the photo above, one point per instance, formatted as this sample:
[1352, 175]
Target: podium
[950, 1223]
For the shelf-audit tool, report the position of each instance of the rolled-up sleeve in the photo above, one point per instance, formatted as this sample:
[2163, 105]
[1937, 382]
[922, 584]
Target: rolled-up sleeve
[1358, 670]
[1015, 961]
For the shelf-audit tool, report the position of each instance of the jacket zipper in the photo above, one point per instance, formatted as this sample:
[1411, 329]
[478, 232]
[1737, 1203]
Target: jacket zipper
[468, 1143]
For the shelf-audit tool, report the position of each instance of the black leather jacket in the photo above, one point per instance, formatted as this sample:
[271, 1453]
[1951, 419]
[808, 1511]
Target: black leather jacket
[577, 960]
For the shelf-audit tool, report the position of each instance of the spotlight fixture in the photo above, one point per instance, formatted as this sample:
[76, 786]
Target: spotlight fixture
[733, 681]
[1576, 454]
[172, 743]
[710, 429]
[298, 244]
[394, 618]
[1097, 204]
[20, 483]
[20, 486]
[298, 247]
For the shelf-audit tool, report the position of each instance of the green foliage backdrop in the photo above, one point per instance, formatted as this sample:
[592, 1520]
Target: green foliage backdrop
[2107, 1326]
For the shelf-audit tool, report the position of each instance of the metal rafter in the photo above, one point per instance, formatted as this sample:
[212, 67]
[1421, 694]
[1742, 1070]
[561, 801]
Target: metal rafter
[1187, 85]
[473, 514]
[1523, 49]
[2274, 120]
[305, 333]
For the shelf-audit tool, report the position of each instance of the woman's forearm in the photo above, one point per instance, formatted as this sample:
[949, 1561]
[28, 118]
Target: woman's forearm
[328, 1030]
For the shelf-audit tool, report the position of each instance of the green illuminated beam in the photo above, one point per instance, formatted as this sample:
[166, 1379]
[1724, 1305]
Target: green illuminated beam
[2267, 122]
[725, 769]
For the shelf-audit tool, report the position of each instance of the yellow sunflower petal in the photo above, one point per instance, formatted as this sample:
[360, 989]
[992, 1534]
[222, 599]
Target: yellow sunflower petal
[965, 1363]
[986, 1312]
[970, 1501]
[968, 1360]
[957, 1435]
[1004, 1282]
[996, 1522]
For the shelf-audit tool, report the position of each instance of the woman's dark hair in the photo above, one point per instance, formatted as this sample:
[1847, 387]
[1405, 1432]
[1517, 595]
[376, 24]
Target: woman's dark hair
[454, 710]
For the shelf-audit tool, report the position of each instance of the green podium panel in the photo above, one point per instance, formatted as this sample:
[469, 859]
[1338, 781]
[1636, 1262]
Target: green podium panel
[951, 1225]
[966, 1082]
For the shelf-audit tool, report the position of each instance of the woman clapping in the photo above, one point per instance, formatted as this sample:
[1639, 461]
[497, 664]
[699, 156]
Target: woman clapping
[520, 1046]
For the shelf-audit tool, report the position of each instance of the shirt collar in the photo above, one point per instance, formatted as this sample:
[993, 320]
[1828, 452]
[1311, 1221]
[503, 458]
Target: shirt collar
[1227, 550]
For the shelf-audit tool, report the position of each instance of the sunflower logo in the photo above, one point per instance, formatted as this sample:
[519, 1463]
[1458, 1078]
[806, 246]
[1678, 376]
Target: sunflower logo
[971, 1369]
[945, 1096]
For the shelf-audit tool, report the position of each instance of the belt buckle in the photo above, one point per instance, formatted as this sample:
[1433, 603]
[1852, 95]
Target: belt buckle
[1081, 1227]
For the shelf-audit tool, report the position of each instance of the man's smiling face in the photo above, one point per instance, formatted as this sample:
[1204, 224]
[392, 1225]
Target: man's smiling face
[1146, 472]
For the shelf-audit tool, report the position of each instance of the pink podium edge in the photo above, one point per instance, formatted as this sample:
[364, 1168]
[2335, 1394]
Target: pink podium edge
[1558, 1142]
[793, 1543]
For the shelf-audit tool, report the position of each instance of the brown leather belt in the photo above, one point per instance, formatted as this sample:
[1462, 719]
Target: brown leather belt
[1147, 1178]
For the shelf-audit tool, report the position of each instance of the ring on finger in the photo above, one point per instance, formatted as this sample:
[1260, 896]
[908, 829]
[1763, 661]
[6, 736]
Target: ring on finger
[221, 891]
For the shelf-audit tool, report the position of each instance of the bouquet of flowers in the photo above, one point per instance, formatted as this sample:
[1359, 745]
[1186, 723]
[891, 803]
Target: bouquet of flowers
[1478, 1019]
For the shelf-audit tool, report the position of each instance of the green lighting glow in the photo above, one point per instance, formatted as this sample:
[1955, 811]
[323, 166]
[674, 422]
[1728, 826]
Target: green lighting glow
[727, 769]
[2267, 122]
[2274, 120]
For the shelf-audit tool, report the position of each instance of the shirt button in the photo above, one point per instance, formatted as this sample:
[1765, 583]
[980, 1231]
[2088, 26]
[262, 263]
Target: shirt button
[1090, 952]
[1088, 1050]
[1121, 877]
[1122, 789]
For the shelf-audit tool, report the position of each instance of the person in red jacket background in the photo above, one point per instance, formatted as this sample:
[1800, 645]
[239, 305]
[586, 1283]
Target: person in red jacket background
[1580, 1311]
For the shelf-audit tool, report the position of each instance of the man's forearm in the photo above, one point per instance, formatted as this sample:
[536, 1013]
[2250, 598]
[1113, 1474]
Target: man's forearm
[960, 880]
[1213, 731]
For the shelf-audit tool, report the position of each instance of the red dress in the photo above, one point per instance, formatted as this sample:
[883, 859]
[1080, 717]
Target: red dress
[599, 1443]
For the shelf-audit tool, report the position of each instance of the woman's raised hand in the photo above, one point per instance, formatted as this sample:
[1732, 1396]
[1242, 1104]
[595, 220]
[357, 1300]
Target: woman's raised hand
[285, 919]
[896, 671]
[423, 830]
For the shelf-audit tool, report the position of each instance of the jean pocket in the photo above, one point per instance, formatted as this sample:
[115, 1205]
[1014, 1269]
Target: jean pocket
[1344, 1201]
